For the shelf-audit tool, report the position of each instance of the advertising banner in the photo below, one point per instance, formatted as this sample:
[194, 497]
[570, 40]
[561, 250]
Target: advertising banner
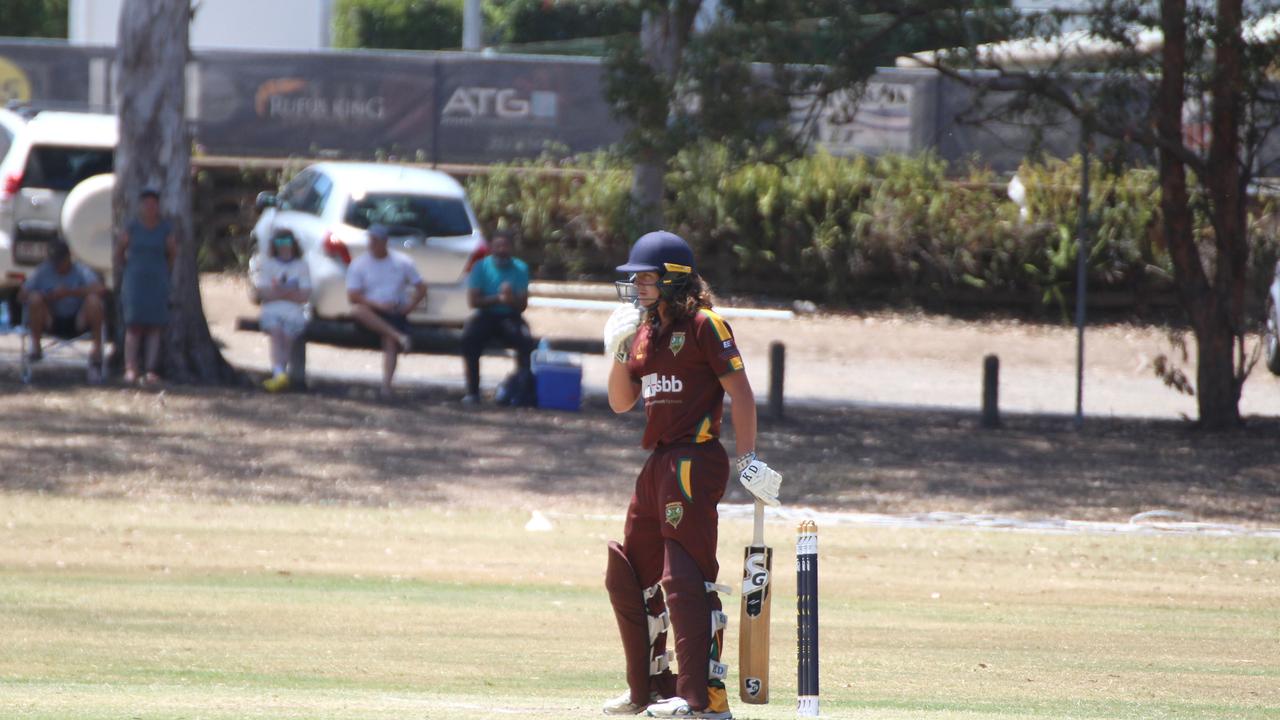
[456, 108]
[497, 109]
[315, 105]
[44, 71]
[894, 114]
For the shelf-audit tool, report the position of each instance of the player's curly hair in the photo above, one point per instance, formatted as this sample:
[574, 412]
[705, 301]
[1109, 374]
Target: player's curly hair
[689, 299]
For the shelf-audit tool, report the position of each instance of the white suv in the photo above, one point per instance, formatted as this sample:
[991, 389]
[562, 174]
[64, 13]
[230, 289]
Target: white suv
[329, 206]
[11, 123]
[47, 156]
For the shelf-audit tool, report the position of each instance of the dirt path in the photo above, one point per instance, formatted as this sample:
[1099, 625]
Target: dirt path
[882, 359]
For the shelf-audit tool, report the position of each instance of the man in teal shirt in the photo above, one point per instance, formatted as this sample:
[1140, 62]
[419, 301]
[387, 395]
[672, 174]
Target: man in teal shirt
[499, 292]
[65, 298]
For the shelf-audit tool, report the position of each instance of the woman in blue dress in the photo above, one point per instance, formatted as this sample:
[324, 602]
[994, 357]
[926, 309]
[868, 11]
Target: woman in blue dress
[146, 251]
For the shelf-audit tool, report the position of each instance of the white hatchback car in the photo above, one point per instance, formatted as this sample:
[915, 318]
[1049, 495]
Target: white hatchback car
[329, 206]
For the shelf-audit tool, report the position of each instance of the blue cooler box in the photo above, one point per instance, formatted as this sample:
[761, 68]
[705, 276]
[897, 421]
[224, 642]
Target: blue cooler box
[559, 379]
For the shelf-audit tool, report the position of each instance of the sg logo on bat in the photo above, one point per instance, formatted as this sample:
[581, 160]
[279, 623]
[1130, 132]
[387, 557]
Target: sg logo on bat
[755, 582]
[753, 686]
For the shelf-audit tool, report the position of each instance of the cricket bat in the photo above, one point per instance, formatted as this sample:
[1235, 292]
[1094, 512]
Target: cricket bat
[753, 643]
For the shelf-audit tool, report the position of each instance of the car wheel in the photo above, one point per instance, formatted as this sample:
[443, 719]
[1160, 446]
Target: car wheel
[1271, 339]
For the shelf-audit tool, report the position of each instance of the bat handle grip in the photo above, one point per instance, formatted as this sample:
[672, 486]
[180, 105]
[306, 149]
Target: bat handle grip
[757, 537]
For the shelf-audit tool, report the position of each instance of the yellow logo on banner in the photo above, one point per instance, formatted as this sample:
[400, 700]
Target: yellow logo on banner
[14, 84]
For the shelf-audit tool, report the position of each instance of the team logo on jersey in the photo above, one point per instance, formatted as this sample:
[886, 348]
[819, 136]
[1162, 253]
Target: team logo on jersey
[675, 513]
[677, 342]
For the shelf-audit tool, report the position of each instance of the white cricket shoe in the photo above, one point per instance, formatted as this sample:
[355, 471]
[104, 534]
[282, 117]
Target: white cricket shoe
[678, 707]
[622, 705]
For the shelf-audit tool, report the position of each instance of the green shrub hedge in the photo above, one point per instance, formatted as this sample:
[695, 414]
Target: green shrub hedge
[846, 230]
[398, 24]
[540, 21]
[437, 24]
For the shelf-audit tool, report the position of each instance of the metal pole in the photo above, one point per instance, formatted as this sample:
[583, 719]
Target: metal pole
[1082, 267]
[472, 25]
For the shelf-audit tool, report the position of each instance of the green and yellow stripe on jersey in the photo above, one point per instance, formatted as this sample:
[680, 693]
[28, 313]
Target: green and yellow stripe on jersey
[684, 473]
[703, 433]
[717, 324]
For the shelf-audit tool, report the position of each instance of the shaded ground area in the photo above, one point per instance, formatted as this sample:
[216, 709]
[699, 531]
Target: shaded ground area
[341, 445]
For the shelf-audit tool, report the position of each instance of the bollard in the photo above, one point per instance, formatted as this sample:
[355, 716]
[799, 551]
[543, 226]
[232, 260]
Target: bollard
[777, 369]
[991, 392]
[298, 363]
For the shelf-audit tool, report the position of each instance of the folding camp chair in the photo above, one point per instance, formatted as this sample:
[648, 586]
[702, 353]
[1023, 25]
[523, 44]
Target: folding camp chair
[59, 350]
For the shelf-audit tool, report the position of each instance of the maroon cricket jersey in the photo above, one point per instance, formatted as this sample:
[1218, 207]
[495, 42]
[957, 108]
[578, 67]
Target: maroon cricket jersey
[679, 371]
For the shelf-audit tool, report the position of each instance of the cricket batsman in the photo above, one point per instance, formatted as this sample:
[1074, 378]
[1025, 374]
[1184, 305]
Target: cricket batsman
[671, 349]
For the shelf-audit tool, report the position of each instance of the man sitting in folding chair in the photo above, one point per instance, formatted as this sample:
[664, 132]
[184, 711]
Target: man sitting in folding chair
[65, 299]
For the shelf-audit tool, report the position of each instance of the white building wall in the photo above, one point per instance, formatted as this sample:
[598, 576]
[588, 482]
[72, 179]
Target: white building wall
[224, 24]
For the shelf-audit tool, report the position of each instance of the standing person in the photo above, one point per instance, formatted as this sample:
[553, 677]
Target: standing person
[499, 291]
[146, 251]
[284, 287]
[673, 350]
[65, 298]
[377, 286]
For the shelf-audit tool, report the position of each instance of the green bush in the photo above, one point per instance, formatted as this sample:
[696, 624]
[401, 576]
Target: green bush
[844, 230]
[535, 21]
[34, 18]
[437, 24]
[572, 215]
[398, 24]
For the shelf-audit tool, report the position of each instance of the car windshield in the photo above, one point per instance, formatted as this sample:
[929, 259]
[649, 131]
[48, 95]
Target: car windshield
[411, 214]
[62, 168]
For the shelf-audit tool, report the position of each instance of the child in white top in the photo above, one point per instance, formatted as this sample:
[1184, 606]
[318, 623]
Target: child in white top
[284, 287]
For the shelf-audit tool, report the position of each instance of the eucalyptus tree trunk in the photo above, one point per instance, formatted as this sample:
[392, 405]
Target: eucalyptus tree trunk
[1211, 292]
[664, 33]
[155, 151]
[1222, 365]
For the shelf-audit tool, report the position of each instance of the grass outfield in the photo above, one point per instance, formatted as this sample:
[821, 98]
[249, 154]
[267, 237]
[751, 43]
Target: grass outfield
[123, 609]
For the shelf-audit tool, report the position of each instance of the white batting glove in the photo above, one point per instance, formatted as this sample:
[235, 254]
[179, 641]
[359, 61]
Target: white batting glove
[762, 481]
[619, 330]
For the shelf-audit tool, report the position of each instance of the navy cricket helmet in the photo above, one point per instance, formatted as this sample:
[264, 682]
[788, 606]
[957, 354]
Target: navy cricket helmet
[661, 252]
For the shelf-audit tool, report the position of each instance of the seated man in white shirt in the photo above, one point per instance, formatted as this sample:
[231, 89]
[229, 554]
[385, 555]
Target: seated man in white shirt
[378, 285]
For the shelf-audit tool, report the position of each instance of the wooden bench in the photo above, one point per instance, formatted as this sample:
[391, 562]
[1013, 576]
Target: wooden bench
[426, 339]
